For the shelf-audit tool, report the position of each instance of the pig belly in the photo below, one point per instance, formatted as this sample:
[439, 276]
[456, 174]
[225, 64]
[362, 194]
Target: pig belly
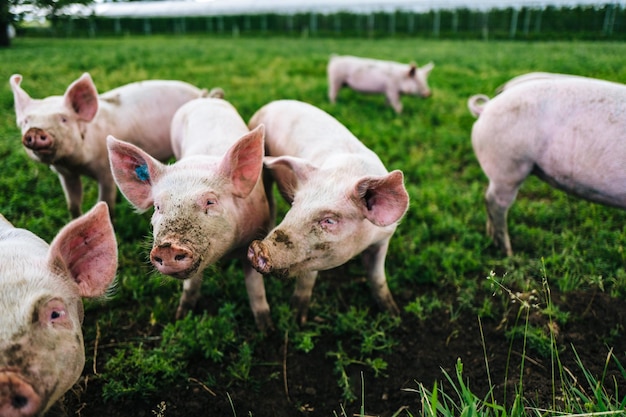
[596, 172]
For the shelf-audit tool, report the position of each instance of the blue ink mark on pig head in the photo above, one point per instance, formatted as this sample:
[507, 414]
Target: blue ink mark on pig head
[142, 172]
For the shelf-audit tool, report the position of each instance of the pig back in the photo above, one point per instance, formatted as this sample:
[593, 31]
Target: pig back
[142, 112]
[300, 129]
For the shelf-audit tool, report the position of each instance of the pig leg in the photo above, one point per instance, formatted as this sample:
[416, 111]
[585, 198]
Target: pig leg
[73, 189]
[107, 192]
[505, 177]
[301, 297]
[334, 85]
[190, 296]
[258, 301]
[374, 261]
[393, 98]
[498, 199]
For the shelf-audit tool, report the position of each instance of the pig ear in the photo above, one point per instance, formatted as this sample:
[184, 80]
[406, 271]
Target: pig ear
[5, 224]
[289, 173]
[243, 162]
[426, 69]
[20, 97]
[412, 69]
[383, 200]
[134, 172]
[87, 249]
[82, 97]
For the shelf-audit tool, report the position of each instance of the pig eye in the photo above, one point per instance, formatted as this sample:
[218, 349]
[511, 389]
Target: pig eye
[328, 221]
[63, 119]
[54, 314]
[210, 202]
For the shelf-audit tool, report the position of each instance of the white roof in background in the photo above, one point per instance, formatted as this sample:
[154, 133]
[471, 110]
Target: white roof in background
[242, 7]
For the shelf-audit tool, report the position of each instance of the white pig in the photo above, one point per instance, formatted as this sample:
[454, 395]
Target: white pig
[41, 342]
[69, 132]
[343, 201]
[567, 130]
[209, 204]
[377, 76]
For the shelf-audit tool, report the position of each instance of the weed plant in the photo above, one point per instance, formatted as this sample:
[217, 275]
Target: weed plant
[440, 244]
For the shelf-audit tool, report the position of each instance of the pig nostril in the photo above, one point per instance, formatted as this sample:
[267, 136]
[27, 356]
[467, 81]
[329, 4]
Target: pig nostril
[179, 257]
[158, 260]
[19, 401]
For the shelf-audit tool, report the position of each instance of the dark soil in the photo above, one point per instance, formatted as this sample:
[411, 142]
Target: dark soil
[426, 348]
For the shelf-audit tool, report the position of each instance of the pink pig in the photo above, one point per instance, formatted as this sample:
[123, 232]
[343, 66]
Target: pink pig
[41, 342]
[343, 201]
[209, 204]
[565, 129]
[377, 76]
[69, 132]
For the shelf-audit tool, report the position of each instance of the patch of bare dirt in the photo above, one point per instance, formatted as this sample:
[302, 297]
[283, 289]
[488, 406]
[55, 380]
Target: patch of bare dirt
[293, 383]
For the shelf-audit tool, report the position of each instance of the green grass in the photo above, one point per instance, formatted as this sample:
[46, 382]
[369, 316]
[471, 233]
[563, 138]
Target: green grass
[440, 243]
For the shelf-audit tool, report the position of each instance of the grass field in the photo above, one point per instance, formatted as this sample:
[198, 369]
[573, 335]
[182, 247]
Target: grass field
[440, 246]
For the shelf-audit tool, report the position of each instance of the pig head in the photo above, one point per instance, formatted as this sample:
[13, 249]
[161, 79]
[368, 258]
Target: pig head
[41, 342]
[567, 130]
[342, 200]
[208, 205]
[377, 76]
[68, 132]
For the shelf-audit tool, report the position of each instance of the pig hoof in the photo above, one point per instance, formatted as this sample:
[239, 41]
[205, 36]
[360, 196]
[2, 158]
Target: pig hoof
[264, 322]
[182, 311]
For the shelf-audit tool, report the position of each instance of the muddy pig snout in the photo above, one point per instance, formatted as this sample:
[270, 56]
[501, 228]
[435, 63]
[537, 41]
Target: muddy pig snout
[17, 397]
[170, 258]
[37, 140]
[259, 257]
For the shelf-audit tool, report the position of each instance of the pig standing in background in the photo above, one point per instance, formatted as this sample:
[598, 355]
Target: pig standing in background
[41, 342]
[570, 131]
[376, 76]
[69, 132]
[343, 201]
[209, 204]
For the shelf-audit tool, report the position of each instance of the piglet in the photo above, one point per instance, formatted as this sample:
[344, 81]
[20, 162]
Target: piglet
[343, 202]
[376, 76]
[209, 204]
[41, 342]
[68, 132]
[567, 130]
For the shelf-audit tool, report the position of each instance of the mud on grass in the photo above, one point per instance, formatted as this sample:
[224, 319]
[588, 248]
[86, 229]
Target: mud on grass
[289, 382]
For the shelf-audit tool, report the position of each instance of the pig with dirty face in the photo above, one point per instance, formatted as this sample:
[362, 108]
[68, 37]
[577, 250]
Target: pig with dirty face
[210, 204]
[69, 132]
[41, 342]
[343, 201]
[567, 130]
[377, 76]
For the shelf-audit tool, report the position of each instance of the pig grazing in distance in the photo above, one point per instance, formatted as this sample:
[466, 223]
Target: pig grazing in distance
[41, 342]
[343, 201]
[570, 131]
[209, 204]
[69, 132]
[377, 76]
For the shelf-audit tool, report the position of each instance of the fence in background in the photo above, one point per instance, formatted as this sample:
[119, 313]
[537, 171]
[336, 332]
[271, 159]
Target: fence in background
[549, 23]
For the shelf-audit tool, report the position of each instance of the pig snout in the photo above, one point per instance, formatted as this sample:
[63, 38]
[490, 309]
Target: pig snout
[171, 259]
[37, 140]
[426, 94]
[17, 397]
[259, 257]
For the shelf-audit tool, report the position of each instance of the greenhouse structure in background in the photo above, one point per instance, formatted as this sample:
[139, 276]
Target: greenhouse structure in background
[456, 19]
